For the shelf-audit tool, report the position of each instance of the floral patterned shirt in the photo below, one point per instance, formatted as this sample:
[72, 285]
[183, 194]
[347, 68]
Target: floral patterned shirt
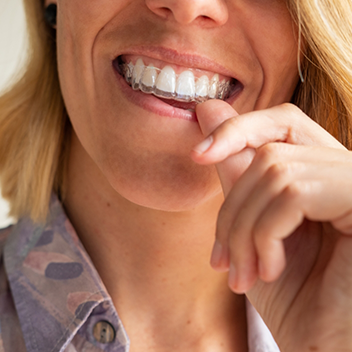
[53, 300]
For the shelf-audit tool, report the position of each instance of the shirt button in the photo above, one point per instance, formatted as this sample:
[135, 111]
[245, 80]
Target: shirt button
[104, 332]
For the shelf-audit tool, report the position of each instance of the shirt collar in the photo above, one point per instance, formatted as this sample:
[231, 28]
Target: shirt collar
[56, 287]
[259, 336]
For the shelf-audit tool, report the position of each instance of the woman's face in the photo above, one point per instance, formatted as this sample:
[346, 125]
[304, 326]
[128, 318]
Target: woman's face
[141, 143]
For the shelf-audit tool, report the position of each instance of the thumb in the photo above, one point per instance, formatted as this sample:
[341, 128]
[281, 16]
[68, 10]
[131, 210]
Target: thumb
[212, 114]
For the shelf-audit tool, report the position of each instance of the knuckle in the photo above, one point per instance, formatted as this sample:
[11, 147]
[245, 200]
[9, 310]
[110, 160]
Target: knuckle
[279, 171]
[227, 126]
[291, 108]
[344, 223]
[231, 122]
[267, 153]
[293, 191]
[225, 132]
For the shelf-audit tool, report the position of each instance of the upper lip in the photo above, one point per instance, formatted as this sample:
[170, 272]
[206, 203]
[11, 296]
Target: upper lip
[172, 56]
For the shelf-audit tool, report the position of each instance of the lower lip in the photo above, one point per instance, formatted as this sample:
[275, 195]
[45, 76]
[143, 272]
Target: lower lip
[152, 104]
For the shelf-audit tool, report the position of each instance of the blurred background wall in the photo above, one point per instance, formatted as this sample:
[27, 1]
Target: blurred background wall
[12, 56]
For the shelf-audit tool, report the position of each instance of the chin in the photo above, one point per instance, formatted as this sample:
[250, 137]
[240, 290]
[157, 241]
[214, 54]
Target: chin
[178, 202]
[176, 195]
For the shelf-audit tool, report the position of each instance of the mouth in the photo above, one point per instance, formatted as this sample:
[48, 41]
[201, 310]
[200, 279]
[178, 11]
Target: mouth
[177, 86]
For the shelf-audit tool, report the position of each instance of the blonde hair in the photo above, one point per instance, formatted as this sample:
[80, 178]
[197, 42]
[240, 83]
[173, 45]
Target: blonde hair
[326, 93]
[35, 130]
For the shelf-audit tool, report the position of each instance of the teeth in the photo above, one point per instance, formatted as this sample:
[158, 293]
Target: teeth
[224, 89]
[165, 83]
[137, 73]
[202, 87]
[185, 87]
[128, 74]
[148, 79]
[213, 87]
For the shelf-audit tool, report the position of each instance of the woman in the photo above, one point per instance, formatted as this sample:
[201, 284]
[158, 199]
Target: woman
[103, 125]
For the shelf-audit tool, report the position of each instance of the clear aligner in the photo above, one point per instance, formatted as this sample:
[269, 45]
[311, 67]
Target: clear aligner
[166, 84]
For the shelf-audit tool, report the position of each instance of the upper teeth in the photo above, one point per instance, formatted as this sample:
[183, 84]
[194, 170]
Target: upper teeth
[166, 84]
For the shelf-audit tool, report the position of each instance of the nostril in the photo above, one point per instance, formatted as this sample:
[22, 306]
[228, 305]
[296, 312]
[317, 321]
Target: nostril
[166, 11]
[205, 21]
[163, 12]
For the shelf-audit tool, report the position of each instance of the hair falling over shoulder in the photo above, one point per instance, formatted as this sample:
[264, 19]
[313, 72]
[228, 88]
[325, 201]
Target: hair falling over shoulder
[35, 129]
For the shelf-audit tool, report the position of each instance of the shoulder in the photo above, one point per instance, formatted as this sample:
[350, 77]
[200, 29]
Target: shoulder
[10, 329]
[4, 234]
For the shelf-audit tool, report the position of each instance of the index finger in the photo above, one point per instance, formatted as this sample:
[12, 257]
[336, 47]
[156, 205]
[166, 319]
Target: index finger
[283, 123]
[211, 115]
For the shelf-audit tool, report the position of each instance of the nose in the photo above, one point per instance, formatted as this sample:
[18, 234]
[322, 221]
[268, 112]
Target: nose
[213, 12]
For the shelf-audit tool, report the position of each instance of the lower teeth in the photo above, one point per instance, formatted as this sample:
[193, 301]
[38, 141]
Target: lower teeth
[183, 88]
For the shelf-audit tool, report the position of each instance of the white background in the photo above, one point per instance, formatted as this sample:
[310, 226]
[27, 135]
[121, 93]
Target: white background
[12, 55]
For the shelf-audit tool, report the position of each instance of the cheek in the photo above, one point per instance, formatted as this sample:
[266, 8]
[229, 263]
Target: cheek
[270, 32]
[79, 24]
[277, 50]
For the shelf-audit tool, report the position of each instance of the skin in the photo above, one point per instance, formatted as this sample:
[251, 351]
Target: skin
[285, 225]
[147, 211]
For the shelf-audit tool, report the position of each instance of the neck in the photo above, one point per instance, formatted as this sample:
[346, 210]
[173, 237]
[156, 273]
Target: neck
[155, 260]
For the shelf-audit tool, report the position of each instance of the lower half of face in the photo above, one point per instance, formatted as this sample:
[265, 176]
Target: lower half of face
[131, 73]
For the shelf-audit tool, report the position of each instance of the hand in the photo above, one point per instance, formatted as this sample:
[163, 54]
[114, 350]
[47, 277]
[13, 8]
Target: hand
[286, 223]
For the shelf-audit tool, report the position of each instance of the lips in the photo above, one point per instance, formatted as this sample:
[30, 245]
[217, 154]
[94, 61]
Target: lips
[178, 86]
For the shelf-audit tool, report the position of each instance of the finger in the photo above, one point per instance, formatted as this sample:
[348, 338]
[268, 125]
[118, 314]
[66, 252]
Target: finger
[244, 209]
[265, 158]
[231, 169]
[252, 195]
[212, 114]
[241, 243]
[317, 200]
[274, 163]
[284, 123]
[287, 214]
[243, 268]
[344, 223]
[243, 249]
[272, 169]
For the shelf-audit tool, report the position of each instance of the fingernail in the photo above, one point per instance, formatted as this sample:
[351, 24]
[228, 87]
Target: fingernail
[216, 254]
[232, 281]
[204, 146]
